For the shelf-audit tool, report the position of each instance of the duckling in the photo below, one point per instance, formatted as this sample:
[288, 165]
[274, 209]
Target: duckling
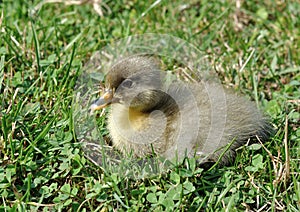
[202, 120]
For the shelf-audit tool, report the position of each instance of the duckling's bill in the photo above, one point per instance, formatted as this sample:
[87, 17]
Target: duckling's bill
[103, 101]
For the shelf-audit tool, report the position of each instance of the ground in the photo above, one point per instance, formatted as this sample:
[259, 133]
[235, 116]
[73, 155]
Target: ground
[252, 45]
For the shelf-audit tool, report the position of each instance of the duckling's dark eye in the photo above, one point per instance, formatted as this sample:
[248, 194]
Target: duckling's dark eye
[127, 83]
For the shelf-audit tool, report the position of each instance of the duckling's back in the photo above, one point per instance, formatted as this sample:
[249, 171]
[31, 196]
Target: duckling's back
[210, 118]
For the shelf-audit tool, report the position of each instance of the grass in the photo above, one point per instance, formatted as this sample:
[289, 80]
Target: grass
[254, 48]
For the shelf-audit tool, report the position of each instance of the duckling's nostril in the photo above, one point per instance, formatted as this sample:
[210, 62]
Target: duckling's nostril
[103, 101]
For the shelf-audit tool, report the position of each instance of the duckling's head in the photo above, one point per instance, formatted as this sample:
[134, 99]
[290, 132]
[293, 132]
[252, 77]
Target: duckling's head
[134, 82]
